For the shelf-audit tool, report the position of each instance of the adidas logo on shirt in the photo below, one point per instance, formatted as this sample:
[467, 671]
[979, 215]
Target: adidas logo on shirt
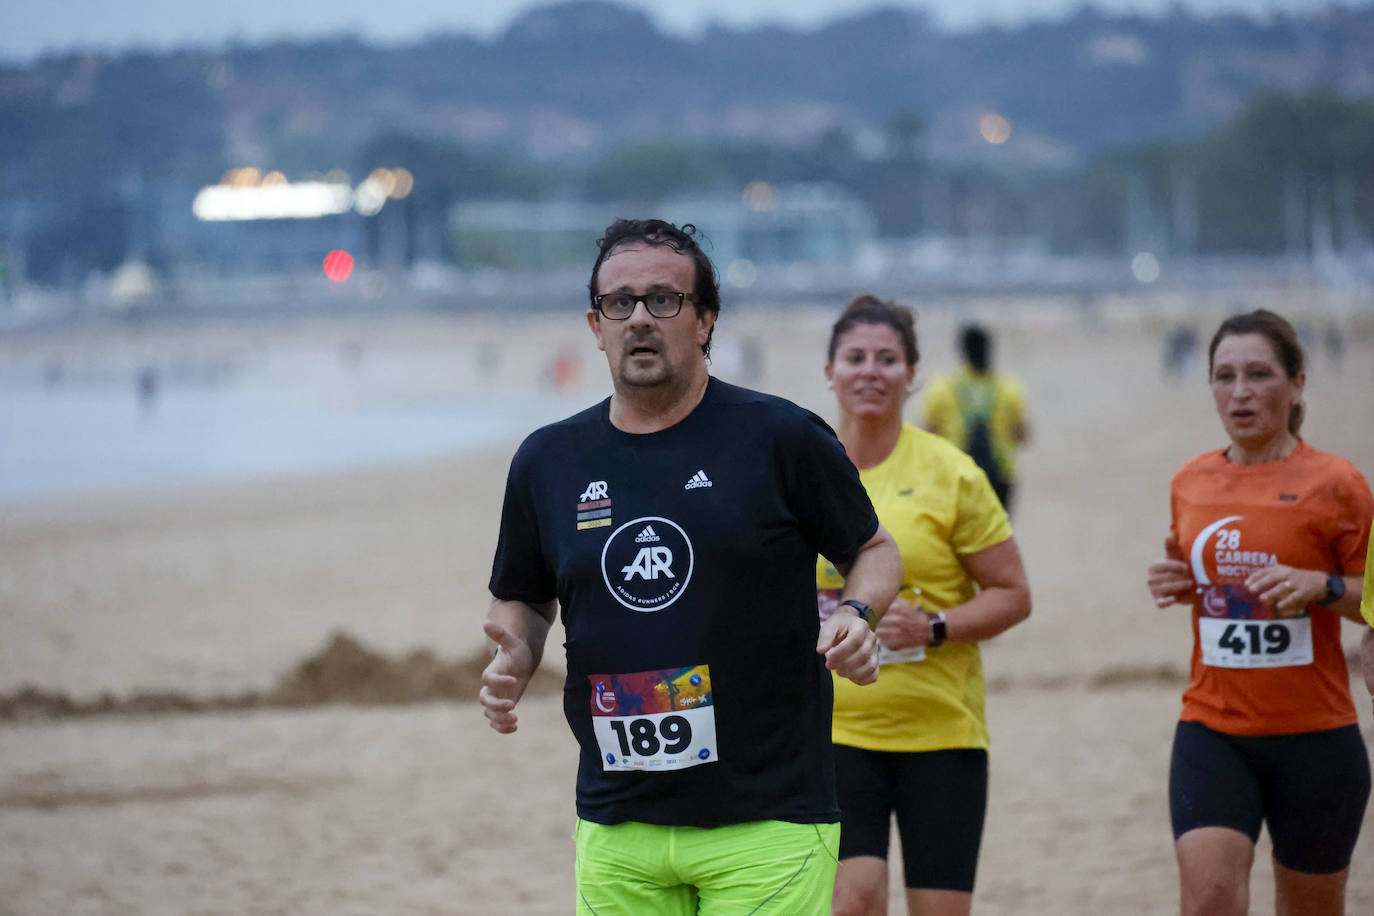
[699, 479]
[647, 535]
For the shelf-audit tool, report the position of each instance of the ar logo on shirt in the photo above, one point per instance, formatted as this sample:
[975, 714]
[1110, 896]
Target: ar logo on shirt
[647, 563]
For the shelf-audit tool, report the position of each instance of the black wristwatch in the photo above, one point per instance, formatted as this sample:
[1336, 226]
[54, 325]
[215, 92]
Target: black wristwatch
[939, 630]
[1335, 590]
[865, 612]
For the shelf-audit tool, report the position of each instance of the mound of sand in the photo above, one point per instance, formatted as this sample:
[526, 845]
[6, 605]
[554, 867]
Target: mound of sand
[345, 671]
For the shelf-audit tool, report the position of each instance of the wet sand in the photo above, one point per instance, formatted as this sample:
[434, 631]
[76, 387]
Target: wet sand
[376, 787]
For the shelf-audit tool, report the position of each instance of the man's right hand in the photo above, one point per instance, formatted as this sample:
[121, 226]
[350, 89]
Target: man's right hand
[505, 678]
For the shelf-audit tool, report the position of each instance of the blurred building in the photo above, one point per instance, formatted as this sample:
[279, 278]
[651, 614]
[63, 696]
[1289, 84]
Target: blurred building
[518, 236]
[778, 225]
[763, 227]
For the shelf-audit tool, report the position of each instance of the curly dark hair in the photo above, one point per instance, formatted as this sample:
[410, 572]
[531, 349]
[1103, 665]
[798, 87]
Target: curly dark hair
[682, 240]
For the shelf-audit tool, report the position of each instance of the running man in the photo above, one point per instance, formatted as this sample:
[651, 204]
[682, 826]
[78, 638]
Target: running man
[676, 526]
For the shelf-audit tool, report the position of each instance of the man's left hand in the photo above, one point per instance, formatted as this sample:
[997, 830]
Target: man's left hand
[850, 647]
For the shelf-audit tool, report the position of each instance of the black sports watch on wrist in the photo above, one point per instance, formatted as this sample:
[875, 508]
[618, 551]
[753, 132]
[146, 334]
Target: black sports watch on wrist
[939, 630]
[1335, 590]
[864, 611]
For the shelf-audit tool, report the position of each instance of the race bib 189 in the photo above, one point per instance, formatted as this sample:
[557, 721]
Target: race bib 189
[1237, 643]
[654, 720]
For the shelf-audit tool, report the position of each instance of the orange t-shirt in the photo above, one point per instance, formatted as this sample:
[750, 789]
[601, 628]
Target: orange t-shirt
[1253, 674]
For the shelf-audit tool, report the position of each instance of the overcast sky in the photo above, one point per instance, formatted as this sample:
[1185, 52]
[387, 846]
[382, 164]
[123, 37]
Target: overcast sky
[29, 28]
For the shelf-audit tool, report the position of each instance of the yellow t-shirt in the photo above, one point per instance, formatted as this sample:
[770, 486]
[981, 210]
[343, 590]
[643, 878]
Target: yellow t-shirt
[998, 393]
[1367, 595]
[938, 506]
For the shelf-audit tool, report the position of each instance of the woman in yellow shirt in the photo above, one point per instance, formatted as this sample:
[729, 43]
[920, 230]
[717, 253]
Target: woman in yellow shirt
[915, 743]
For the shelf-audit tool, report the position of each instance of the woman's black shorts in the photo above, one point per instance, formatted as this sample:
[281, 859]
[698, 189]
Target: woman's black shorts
[1310, 788]
[940, 799]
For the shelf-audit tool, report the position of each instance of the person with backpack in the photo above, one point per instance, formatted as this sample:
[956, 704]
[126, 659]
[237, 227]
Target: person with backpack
[981, 411]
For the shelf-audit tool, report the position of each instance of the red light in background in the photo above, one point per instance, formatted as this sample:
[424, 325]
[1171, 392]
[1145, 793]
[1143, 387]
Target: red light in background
[338, 265]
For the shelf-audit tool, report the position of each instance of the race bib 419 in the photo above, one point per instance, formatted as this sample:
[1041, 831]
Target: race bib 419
[1235, 643]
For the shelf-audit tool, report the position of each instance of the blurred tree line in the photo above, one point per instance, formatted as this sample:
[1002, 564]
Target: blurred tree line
[1289, 173]
[100, 155]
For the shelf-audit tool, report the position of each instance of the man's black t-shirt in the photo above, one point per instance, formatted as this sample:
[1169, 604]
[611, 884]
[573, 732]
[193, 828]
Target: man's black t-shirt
[684, 564]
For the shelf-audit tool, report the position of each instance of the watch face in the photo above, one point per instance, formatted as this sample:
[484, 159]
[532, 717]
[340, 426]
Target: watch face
[938, 630]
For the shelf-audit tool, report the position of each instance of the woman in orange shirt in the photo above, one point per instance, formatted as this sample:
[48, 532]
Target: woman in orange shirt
[1267, 545]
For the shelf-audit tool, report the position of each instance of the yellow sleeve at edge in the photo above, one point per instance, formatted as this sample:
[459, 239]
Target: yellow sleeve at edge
[1367, 595]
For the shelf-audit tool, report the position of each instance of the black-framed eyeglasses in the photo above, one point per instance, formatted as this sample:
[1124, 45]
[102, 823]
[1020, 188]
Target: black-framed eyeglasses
[660, 303]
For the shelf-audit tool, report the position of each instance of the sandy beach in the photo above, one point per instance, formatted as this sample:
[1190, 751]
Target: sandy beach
[312, 775]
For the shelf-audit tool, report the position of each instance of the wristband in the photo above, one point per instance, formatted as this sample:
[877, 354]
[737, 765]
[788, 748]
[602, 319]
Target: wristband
[939, 630]
[864, 611]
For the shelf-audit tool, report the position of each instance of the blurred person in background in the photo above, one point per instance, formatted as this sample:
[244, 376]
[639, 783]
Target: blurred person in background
[676, 525]
[1267, 546]
[981, 411]
[916, 742]
[1180, 350]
